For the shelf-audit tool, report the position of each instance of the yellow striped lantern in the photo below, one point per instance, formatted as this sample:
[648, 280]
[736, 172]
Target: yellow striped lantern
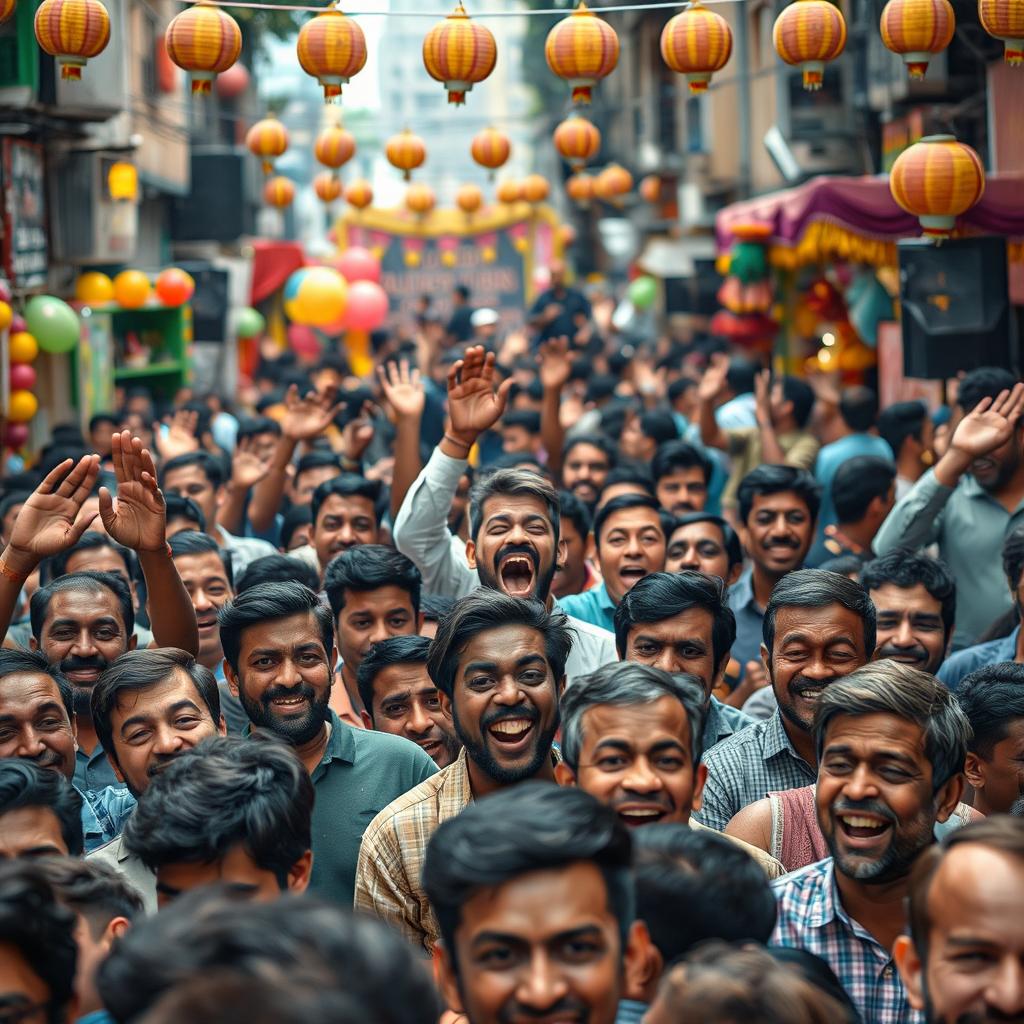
[334, 147]
[419, 199]
[359, 194]
[203, 40]
[613, 182]
[808, 34]
[469, 199]
[6, 10]
[267, 139]
[535, 188]
[331, 48]
[577, 141]
[278, 192]
[459, 53]
[1004, 19]
[72, 31]
[581, 188]
[509, 191]
[696, 43]
[327, 187]
[406, 152]
[916, 29]
[936, 180]
[491, 149]
[582, 49]
[650, 189]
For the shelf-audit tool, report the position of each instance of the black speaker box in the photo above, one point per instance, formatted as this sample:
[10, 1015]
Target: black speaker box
[215, 210]
[210, 303]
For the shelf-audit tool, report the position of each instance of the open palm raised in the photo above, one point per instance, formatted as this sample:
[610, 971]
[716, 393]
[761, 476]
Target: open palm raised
[473, 403]
[990, 423]
[138, 519]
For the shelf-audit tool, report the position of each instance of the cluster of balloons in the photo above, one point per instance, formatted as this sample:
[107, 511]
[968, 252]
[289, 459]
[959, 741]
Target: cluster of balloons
[132, 289]
[22, 350]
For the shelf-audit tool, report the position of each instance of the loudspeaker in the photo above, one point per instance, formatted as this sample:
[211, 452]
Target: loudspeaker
[216, 210]
[210, 302]
[956, 312]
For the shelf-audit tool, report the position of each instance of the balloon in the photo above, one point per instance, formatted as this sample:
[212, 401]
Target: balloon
[367, 306]
[250, 323]
[22, 377]
[23, 348]
[94, 288]
[358, 264]
[5, 291]
[233, 82]
[6, 315]
[18, 324]
[320, 298]
[131, 289]
[15, 435]
[53, 323]
[642, 292]
[303, 341]
[291, 286]
[174, 287]
[23, 406]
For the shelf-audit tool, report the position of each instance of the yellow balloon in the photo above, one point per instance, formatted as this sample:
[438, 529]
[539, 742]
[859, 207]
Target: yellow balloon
[131, 289]
[23, 348]
[321, 297]
[95, 288]
[23, 406]
[6, 316]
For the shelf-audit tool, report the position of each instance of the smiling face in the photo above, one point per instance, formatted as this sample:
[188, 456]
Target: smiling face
[34, 723]
[679, 643]
[997, 774]
[584, 471]
[910, 628]
[683, 490]
[192, 482]
[342, 522]
[778, 532]
[700, 547]
[206, 581]
[370, 616]
[631, 546]
[634, 443]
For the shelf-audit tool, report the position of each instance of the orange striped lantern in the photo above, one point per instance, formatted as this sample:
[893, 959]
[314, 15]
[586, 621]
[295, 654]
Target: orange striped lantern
[577, 141]
[359, 194]
[6, 10]
[809, 33]
[916, 29]
[203, 40]
[936, 180]
[535, 188]
[696, 43]
[509, 191]
[334, 147]
[327, 187]
[613, 182]
[582, 49]
[278, 192]
[469, 199]
[406, 152]
[419, 199]
[267, 139]
[72, 31]
[650, 189]
[581, 188]
[566, 236]
[331, 48]
[491, 149]
[459, 53]
[1004, 19]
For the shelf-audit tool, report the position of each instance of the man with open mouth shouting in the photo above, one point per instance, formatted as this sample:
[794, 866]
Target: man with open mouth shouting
[498, 664]
[891, 744]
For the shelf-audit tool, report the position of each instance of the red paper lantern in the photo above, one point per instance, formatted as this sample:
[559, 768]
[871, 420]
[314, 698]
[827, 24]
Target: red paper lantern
[809, 33]
[696, 43]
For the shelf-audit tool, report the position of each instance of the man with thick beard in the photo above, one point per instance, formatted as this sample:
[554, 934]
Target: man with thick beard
[499, 664]
[891, 744]
[279, 653]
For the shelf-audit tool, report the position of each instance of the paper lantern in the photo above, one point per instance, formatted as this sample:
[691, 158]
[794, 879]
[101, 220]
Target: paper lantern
[203, 40]
[469, 199]
[613, 182]
[331, 48]
[916, 29]
[174, 287]
[367, 306]
[233, 82]
[278, 191]
[334, 147]
[581, 188]
[358, 264]
[327, 187]
[267, 139]
[359, 194]
[21, 406]
[577, 140]
[131, 289]
[406, 152]
[22, 377]
[419, 199]
[535, 188]
[582, 49]
[94, 288]
[1004, 19]
[72, 31]
[53, 323]
[809, 33]
[650, 189]
[491, 149]
[459, 53]
[6, 10]
[696, 43]
[22, 348]
[936, 180]
[509, 191]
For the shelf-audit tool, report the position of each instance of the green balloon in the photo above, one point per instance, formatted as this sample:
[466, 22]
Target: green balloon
[642, 292]
[53, 323]
[250, 323]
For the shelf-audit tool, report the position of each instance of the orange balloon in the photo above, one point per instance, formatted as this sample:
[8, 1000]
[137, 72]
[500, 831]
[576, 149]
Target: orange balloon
[131, 289]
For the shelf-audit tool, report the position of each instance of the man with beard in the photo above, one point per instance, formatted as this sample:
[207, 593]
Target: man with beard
[499, 664]
[961, 962]
[514, 543]
[279, 655]
[682, 473]
[587, 460]
[891, 744]
[971, 500]
[818, 627]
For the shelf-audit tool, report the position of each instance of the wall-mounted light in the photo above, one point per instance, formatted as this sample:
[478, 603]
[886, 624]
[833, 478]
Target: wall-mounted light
[123, 182]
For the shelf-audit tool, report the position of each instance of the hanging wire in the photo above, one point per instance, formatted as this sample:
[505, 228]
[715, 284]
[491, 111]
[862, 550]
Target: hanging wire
[485, 16]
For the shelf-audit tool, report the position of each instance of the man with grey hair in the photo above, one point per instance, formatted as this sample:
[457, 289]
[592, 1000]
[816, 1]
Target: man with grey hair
[631, 737]
[514, 544]
[891, 744]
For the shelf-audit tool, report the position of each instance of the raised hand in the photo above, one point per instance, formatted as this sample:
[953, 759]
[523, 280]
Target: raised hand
[989, 424]
[306, 418]
[712, 384]
[180, 438]
[762, 397]
[356, 436]
[247, 469]
[473, 404]
[139, 518]
[555, 364]
[403, 390]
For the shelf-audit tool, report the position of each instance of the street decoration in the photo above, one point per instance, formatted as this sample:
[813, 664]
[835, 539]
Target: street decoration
[459, 53]
[359, 194]
[746, 293]
[696, 43]
[7, 8]
[132, 289]
[490, 149]
[327, 187]
[808, 34]
[267, 139]
[315, 296]
[582, 49]
[94, 289]
[1004, 20]
[53, 323]
[405, 151]
[419, 199]
[334, 147]
[613, 183]
[203, 40]
[249, 324]
[174, 287]
[72, 31]
[650, 189]
[509, 191]
[581, 189]
[469, 199]
[279, 191]
[917, 29]
[331, 48]
[535, 188]
[577, 140]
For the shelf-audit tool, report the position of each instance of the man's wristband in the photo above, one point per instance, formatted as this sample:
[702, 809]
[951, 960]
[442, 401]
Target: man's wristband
[458, 444]
[6, 570]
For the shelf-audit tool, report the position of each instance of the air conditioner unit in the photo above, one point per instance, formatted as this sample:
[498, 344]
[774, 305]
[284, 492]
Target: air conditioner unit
[823, 142]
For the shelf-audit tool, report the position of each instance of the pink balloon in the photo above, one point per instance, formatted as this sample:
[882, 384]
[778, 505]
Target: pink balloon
[233, 82]
[18, 324]
[367, 306]
[358, 264]
[303, 341]
[23, 377]
[15, 435]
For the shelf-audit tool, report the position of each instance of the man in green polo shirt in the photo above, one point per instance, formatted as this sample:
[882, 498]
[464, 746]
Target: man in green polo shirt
[278, 641]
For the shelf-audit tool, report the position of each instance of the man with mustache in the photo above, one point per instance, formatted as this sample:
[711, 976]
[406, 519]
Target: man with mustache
[891, 744]
[499, 664]
[682, 473]
[818, 627]
[515, 543]
[587, 460]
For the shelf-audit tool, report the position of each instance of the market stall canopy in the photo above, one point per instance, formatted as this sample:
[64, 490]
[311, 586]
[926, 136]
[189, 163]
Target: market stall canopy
[273, 263]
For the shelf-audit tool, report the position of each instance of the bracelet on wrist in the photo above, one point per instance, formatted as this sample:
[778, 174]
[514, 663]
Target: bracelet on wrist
[11, 574]
[457, 443]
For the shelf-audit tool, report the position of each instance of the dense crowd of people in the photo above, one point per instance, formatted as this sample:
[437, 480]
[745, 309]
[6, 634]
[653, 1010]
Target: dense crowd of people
[622, 680]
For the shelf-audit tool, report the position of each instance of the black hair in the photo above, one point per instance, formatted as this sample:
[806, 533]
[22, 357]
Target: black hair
[773, 479]
[193, 542]
[818, 972]
[25, 784]
[462, 291]
[665, 594]
[630, 473]
[317, 460]
[268, 602]
[348, 485]
[612, 417]
[102, 417]
[93, 890]
[992, 698]
[86, 580]
[1013, 556]
[740, 376]
[984, 382]
[519, 483]
[278, 569]
[211, 467]
[848, 564]
[679, 387]
[801, 394]
[858, 481]
[222, 793]
[599, 387]
[16, 659]
[433, 607]
[901, 420]
[695, 884]
[906, 569]
[571, 508]
[598, 441]
[528, 419]
[370, 567]
[396, 650]
[813, 588]
[733, 548]
[493, 609]
[621, 504]
[858, 406]
[12, 498]
[675, 455]
[296, 516]
[253, 426]
[180, 507]
[533, 826]
[659, 425]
